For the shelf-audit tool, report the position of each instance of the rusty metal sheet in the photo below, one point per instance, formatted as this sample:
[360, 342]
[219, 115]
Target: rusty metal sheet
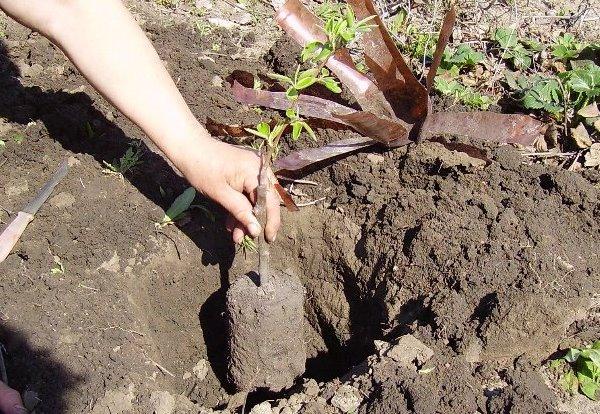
[491, 126]
[299, 160]
[366, 123]
[443, 39]
[409, 99]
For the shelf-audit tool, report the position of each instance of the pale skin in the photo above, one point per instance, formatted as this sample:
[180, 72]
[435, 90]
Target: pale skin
[103, 40]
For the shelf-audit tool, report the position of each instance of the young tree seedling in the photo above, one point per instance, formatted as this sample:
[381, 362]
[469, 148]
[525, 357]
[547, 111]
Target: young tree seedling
[341, 28]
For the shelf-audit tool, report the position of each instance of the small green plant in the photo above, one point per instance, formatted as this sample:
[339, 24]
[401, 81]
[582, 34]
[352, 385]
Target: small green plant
[2, 145]
[203, 27]
[58, 268]
[463, 94]
[247, 245]
[178, 208]
[566, 47]
[167, 3]
[18, 137]
[447, 83]
[582, 371]
[463, 57]
[537, 92]
[572, 89]
[129, 160]
[512, 49]
[341, 29]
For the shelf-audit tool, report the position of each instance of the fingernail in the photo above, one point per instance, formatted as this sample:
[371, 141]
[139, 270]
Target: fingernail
[20, 409]
[254, 228]
[273, 239]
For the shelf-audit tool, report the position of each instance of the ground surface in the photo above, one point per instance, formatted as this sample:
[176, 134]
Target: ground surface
[492, 268]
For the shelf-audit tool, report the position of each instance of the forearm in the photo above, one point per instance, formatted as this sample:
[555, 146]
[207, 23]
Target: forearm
[102, 39]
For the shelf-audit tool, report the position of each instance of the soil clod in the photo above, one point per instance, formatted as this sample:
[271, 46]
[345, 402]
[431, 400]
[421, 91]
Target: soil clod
[266, 344]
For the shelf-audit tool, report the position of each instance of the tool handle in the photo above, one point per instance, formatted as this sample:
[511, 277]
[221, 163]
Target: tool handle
[12, 232]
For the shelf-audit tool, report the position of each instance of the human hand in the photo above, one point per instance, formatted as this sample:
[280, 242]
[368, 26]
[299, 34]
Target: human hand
[10, 401]
[229, 175]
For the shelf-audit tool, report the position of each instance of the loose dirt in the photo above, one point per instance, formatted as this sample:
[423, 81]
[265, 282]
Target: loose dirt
[489, 269]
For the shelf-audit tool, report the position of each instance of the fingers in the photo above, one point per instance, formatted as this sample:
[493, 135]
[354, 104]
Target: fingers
[10, 401]
[238, 205]
[273, 215]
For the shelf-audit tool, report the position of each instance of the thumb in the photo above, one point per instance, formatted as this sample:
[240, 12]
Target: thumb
[238, 205]
[10, 401]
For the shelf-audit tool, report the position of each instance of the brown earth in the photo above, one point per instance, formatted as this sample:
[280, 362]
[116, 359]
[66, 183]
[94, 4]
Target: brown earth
[493, 268]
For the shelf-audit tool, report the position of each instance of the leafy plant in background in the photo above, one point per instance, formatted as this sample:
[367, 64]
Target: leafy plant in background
[512, 49]
[582, 372]
[447, 83]
[566, 47]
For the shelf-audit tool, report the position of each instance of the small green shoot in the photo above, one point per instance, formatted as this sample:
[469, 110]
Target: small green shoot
[2, 145]
[583, 372]
[129, 160]
[58, 268]
[18, 138]
[203, 27]
[341, 28]
[89, 131]
[179, 206]
[247, 245]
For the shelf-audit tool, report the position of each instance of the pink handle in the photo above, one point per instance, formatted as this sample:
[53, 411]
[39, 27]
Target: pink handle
[11, 234]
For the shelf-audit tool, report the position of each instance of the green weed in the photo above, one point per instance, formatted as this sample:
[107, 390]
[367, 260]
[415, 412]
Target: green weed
[583, 370]
[180, 205]
[247, 245]
[129, 160]
[58, 268]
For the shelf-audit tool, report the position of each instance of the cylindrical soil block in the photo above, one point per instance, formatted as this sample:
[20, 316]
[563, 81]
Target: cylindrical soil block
[266, 334]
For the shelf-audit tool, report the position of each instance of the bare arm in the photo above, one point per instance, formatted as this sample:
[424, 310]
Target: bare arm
[102, 39]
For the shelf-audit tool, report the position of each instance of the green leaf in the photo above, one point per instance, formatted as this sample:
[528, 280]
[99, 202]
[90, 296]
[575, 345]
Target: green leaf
[291, 93]
[280, 78]
[309, 131]
[264, 128]
[463, 56]
[569, 382]
[291, 113]
[588, 386]
[506, 37]
[572, 355]
[310, 50]
[331, 84]
[296, 130]
[596, 345]
[180, 205]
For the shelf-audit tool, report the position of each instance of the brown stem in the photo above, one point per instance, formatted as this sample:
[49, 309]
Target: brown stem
[260, 210]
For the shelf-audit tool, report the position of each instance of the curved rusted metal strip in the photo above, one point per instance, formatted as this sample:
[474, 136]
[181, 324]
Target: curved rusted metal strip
[409, 99]
[443, 39]
[366, 123]
[492, 126]
[298, 160]
[303, 26]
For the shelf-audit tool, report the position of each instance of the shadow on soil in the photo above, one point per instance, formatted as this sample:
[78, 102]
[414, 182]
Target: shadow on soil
[68, 118]
[34, 369]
